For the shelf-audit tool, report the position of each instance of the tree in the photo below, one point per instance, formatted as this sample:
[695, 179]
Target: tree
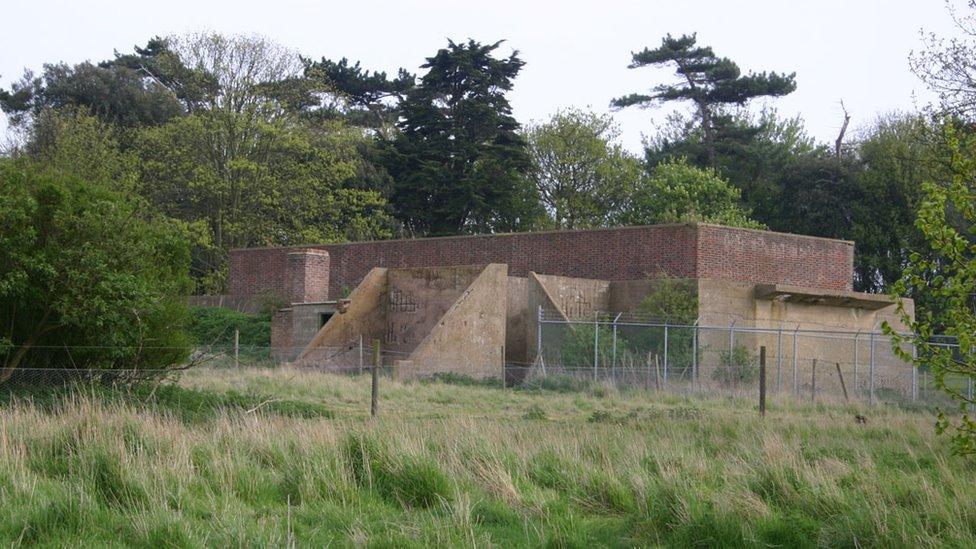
[897, 155]
[762, 151]
[677, 191]
[292, 187]
[818, 195]
[947, 268]
[243, 167]
[363, 98]
[582, 176]
[73, 141]
[116, 94]
[948, 65]
[458, 160]
[711, 83]
[89, 278]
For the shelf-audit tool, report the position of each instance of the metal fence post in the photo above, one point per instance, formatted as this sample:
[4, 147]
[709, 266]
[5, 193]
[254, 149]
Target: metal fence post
[374, 381]
[779, 359]
[665, 355]
[731, 339]
[858, 333]
[914, 373]
[613, 361]
[694, 356]
[762, 381]
[871, 372]
[538, 335]
[731, 360]
[596, 342]
[795, 373]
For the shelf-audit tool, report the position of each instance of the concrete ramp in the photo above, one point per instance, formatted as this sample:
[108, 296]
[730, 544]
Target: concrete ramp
[428, 320]
[336, 345]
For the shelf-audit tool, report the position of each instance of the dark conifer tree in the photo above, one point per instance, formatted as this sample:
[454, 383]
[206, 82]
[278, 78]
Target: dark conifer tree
[711, 83]
[457, 160]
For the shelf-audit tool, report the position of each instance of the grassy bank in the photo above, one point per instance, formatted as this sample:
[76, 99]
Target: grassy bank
[284, 458]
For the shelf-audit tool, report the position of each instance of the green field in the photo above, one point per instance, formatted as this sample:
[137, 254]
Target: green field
[286, 458]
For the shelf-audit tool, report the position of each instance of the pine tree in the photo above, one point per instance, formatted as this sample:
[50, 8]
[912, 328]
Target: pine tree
[712, 83]
[457, 160]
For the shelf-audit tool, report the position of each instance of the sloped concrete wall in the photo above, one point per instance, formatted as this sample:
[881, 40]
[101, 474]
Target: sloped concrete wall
[418, 299]
[577, 298]
[537, 296]
[336, 344]
[469, 338]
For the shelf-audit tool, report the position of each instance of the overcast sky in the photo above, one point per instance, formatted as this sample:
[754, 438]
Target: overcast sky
[576, 52]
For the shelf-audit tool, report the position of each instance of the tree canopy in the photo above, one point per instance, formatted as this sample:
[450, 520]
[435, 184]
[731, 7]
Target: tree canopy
[709, 82]
[582, 176]
[457, 160]
[677, 191]
[89, 277]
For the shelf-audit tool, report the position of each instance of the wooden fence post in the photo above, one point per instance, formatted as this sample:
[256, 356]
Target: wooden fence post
[842, 384]
[237, 348]
[374, 395]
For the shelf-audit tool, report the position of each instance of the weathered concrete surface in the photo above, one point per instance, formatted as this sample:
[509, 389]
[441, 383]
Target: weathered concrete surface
[292, 327]
[577, 298]
[517, 313]
[537, 297]
[337, 343]
[721, 302]
[469, 338]
[418, 299]
[627, 295]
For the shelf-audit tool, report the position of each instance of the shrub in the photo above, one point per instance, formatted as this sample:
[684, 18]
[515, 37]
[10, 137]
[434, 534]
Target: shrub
[216, 325]
[95, 278]
[737, 366]
[535, 412]
[577, 348]
[672, 301]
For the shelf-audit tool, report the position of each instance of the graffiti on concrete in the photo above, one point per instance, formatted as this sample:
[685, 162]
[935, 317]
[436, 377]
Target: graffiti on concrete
[402, 302]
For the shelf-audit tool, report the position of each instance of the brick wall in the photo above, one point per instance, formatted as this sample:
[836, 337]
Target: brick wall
[762, 256]
[628, 253]
[308, 276]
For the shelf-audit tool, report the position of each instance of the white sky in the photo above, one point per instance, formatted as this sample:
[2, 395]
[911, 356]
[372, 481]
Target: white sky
[576, 51]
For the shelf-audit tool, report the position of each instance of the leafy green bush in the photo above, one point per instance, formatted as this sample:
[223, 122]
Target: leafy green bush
[671, 301]
[738, 366]
[216, 325]
[89, 277]
[578, 344]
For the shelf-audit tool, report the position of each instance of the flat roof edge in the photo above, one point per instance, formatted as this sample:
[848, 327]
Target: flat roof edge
[692, 224]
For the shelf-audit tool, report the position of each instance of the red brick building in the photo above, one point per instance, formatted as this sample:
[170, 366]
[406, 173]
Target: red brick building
[689, 250]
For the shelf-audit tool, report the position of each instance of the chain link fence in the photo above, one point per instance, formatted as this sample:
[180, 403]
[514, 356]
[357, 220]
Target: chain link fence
[625, 350]
[616, 350]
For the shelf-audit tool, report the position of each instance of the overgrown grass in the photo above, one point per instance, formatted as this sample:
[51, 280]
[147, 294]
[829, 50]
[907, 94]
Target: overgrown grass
[278, 457]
